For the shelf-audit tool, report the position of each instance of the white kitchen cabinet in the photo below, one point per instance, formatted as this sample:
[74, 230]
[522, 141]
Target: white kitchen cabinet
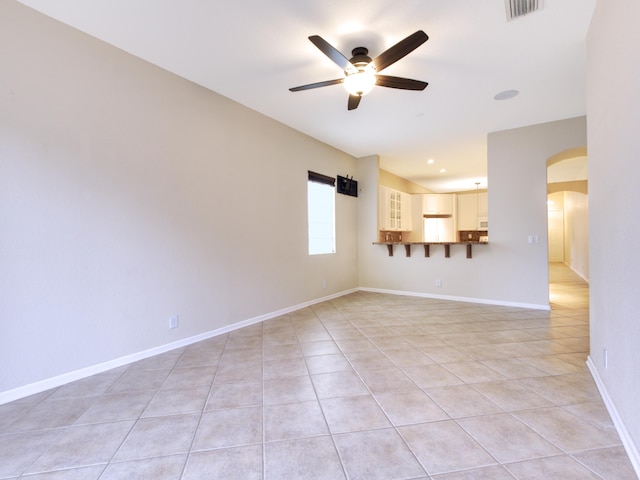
[439, 229]
[483, 204]
[467, 217]
[438, 203]
[394, 210]
[470, 207]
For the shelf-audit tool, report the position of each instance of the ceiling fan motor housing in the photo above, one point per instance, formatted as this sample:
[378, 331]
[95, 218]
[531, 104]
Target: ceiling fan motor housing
[360, 58]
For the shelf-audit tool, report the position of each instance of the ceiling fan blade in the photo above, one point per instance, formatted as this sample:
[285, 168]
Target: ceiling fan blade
[331, 52]
[399, 50]
[326, 83]
[399, 82]
[354, 101]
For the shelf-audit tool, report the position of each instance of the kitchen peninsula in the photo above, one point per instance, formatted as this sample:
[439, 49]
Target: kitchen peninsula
[427, 245]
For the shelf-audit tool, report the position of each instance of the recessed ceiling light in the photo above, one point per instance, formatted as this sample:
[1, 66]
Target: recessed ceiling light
[430, 161]
[442, 170]
[506, 95]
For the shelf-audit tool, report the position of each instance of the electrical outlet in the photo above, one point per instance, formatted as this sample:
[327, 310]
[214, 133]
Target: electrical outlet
[438, 282]
[605, 358]
[324, 284]
[173, 321]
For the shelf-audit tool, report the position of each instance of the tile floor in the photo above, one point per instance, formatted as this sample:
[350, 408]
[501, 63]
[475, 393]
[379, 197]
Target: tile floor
[367, 386]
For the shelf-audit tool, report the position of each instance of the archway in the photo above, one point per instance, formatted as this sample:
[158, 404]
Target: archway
[567, 213]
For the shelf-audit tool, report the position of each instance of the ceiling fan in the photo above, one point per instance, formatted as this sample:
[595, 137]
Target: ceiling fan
[362, 73]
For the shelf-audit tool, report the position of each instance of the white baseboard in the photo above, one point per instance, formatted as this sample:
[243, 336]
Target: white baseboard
[53, 382]
[627, 441]
[483, 301]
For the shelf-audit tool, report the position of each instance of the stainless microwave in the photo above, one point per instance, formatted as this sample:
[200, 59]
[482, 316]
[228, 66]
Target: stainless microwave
[483, 223]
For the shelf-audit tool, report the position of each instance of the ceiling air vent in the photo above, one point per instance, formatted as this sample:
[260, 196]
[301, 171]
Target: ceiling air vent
[518, 8]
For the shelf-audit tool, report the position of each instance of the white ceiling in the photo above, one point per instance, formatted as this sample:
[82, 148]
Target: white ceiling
[252, 51]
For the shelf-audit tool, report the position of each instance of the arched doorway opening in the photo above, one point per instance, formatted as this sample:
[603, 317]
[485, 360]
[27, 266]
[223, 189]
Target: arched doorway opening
[568, 232]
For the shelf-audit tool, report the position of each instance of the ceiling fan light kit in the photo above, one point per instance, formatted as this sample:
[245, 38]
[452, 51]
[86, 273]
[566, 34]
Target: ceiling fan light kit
[361, 82]
[361, 73]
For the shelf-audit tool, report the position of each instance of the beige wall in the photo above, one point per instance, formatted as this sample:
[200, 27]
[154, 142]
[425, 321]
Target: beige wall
[576, 207]
[128, 195]
[613, 107]
[390, 180]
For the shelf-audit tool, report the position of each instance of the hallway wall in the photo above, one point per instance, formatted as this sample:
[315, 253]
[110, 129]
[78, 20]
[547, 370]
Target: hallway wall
[613, 107]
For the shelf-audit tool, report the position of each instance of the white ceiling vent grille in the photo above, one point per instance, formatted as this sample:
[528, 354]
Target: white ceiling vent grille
[518, 8]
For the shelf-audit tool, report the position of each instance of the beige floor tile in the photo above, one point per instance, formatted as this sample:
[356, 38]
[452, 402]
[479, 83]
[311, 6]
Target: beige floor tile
[506, 438]
[462, 401]
[444, 447]
[566, 430]
[239, 371]
[564, 389]
[83, 445]
[164, 361]
[338, 384]
[159, 468]
[514, 368]
[345, 333]
[386, 380]
[288, 367]
[238, 463]
[139, 380]
[446, 354]
[239, 355]
[190, 377]
[82, 473]
[293, 420]
[553, 365]
[11, 413]
[243, 342]
[409, 407]
[495, 472]
[594, 413]
[377, 454]
[351, 345]
[279, 352]
[368, 360]
[313, 335]
[303, 459]
[199, 358]
[407, 357]
[608, 463]
[287, 337]
[390, 343]
[87, 387]
[154, 437]
[233, 395]
[511, 395]
[51, 414]
[473, 372]
[429, 376]
[336, 362]
[175, 402]
[425, 341]
[288, 390]
[563, 467]
[324, 347]
[111, 408]
[229, 428]
[348, 414]
[21, 449]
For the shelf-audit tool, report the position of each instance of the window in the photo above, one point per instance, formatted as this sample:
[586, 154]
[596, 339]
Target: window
[321, 207]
